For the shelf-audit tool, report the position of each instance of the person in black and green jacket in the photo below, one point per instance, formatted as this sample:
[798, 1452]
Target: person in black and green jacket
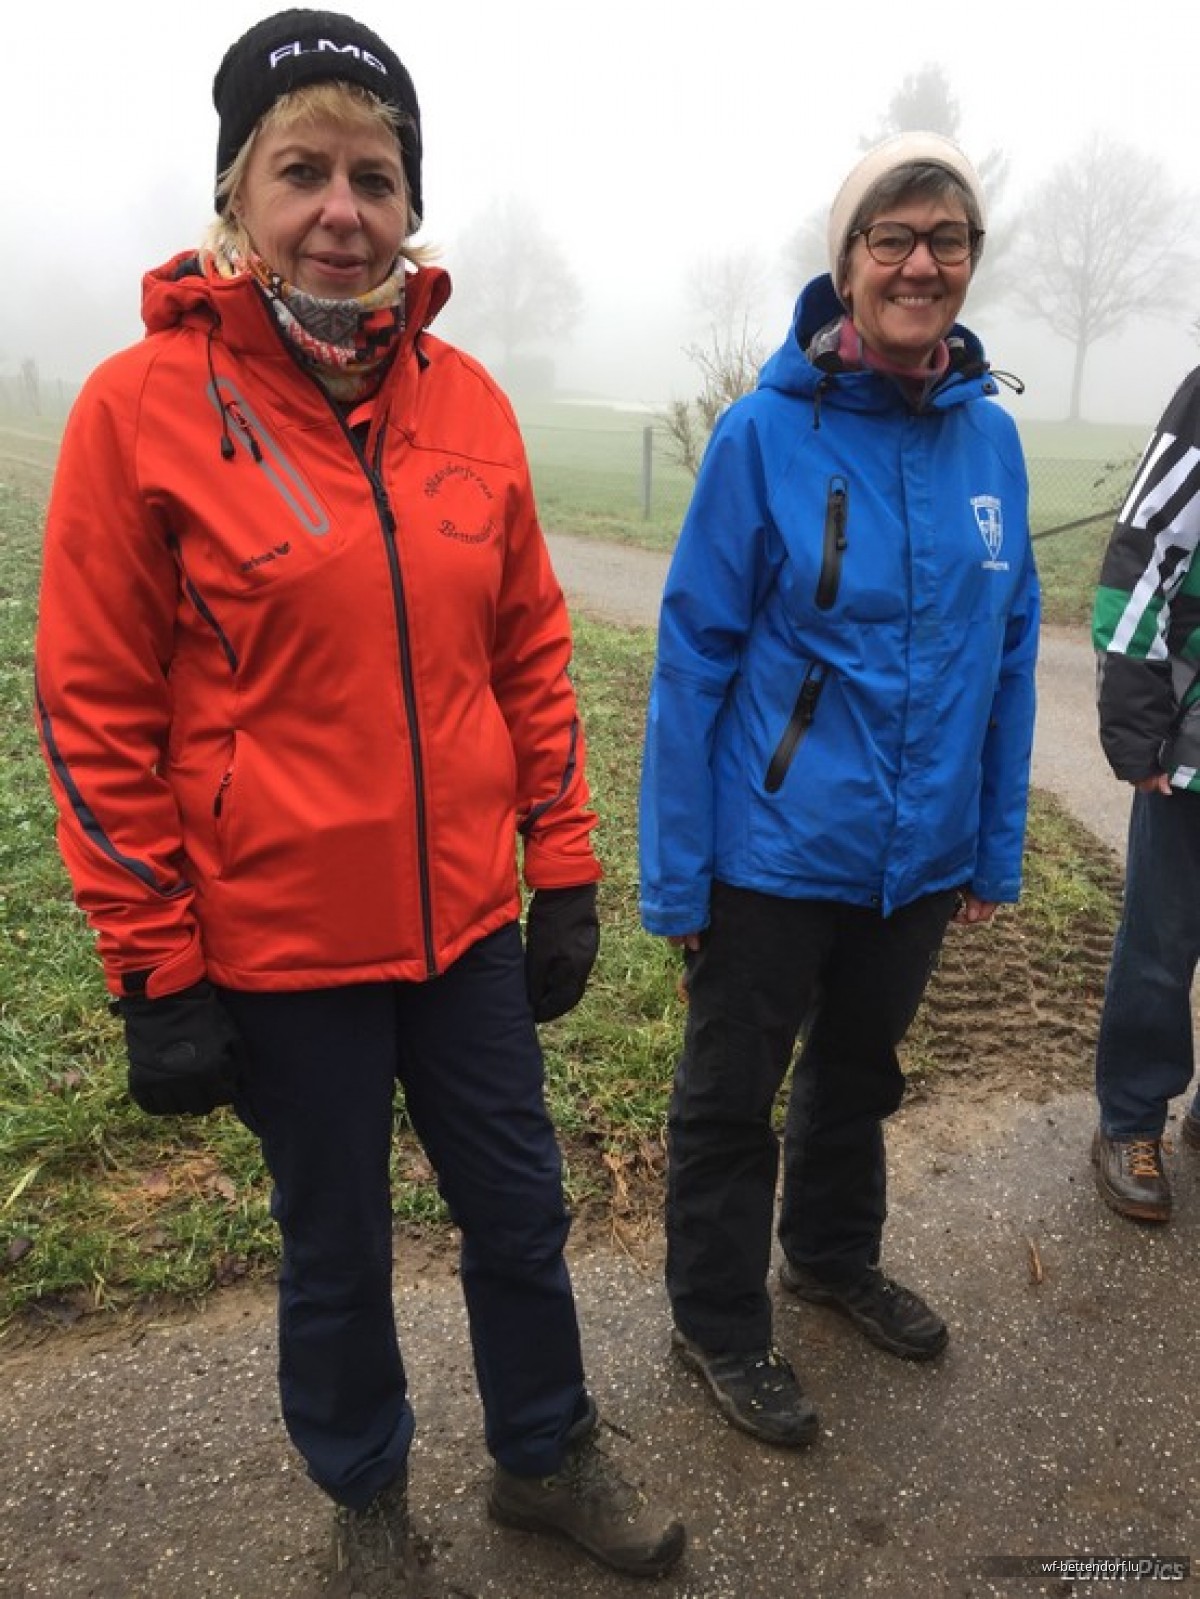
[1146, 630]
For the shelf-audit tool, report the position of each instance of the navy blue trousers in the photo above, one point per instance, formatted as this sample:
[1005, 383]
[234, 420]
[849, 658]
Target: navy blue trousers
[767, 970]
[1144, 1054]
[319, 1093]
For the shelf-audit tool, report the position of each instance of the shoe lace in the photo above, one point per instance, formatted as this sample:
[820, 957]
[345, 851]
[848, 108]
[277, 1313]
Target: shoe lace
[889, 1288]
[768, 1377]
[1143, 1157]
[588, 1475]
[770, 1372]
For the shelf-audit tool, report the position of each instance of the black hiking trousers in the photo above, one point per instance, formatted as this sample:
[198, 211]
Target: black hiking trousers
[768, 970]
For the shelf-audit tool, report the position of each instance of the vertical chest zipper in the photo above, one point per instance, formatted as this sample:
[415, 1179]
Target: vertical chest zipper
[833, 546]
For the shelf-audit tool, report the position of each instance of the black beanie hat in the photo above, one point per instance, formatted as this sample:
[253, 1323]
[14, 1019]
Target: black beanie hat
[293, 48]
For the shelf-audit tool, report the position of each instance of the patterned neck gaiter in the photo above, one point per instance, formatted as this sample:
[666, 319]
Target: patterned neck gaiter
[346, 344]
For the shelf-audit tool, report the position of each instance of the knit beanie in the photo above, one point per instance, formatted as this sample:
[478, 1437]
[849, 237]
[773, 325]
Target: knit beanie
[294, 48]
[898, 151]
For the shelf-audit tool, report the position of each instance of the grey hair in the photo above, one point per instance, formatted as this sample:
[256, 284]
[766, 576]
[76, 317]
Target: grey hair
[912, 180]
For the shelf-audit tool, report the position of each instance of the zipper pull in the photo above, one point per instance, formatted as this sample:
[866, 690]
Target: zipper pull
[247, 431]
[837, 509]
[810, 693]
[834, 542]
[219, 802]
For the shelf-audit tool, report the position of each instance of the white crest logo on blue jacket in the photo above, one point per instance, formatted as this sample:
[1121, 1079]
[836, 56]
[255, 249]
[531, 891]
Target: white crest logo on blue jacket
[989, 519]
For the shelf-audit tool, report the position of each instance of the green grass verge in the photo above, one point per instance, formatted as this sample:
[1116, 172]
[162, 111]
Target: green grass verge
[100, 1205]
[588, 468]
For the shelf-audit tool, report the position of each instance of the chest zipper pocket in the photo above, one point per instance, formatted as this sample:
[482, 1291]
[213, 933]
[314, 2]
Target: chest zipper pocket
[834, 545]
[798, 725]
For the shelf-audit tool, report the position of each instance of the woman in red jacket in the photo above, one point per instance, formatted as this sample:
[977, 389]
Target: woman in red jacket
[303, 694]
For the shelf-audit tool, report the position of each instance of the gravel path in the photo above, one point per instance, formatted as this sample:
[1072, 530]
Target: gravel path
[147, 1460]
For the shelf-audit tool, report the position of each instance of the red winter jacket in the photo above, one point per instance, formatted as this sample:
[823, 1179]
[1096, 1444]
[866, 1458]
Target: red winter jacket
[300, 687]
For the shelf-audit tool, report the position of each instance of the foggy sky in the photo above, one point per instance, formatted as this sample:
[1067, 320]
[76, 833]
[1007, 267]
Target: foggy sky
[647, 135]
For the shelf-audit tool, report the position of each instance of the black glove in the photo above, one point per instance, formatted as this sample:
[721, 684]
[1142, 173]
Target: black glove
[183, 1051]
[562, 938]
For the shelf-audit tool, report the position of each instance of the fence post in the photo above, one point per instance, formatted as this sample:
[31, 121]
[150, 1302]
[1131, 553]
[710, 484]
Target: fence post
[647, 470]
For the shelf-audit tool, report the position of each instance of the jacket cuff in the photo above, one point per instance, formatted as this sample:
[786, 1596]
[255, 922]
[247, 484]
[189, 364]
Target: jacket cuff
[180, 971]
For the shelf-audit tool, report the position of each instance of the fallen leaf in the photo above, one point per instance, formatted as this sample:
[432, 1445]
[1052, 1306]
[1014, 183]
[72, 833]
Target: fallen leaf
[1036, 1271]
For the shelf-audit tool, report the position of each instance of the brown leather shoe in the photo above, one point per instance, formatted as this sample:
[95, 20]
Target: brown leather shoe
[1189, 1130]
[1131, 1178]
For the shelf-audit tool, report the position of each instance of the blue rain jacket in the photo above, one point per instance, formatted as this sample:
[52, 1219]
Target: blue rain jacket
[842, 703]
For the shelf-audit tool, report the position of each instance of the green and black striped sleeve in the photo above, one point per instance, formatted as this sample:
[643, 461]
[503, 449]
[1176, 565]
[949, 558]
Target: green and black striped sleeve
[1146, 619]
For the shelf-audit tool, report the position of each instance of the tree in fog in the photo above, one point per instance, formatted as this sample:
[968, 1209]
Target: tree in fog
[31, 385]
[1104, 240]
[924, 102]
[513, 285]
[725, 293]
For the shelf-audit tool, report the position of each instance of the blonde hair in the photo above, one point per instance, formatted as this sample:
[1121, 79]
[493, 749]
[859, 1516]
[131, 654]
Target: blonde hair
[348, 107]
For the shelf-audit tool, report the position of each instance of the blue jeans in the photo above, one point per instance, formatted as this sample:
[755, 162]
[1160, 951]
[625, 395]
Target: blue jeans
[318, 1093]
[1144, 1052]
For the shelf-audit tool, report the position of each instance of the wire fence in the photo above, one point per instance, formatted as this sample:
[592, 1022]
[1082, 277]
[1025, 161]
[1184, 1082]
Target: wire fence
[620, 468]
[631, 472]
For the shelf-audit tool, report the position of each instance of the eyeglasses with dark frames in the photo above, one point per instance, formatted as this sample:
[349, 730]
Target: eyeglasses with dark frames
[890, 243]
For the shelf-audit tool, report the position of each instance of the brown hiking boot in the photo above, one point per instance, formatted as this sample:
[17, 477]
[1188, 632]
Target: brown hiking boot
[588, 1501]
[1130, 1176]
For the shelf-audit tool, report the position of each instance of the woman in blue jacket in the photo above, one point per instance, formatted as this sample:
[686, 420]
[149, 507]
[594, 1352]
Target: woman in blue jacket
[836, 766]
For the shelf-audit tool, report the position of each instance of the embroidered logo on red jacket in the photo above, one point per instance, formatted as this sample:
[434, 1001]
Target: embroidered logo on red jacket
[466, 503]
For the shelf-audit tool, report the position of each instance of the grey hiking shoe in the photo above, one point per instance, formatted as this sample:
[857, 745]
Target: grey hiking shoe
[757, 1392]
[588, 1501]
[886, 1312]
[373, 1555]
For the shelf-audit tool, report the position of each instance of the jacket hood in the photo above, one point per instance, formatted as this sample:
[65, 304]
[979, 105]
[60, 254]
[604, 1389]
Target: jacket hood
[186, 287]
[791, 371]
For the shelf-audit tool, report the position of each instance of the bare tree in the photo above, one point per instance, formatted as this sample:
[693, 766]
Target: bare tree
[728, 365]
[31, 385]
[803, 256]
[1104, 240]
[924, 102]
[725, 292]
[514, 287]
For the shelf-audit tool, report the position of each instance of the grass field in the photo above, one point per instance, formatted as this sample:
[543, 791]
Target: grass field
[590, 469]
[99, 1204]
